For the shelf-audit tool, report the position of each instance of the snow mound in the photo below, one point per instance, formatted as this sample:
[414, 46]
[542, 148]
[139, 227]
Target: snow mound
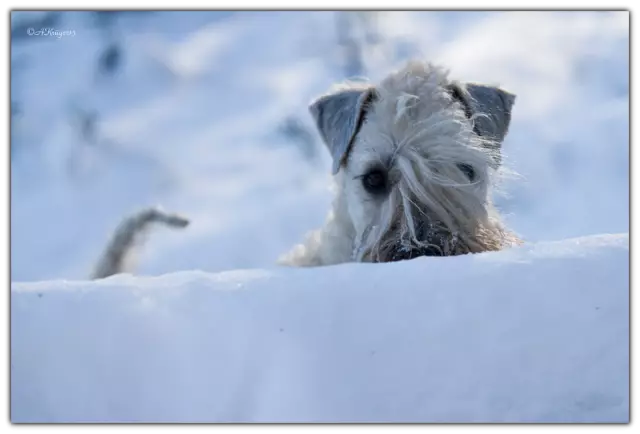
[538, 333]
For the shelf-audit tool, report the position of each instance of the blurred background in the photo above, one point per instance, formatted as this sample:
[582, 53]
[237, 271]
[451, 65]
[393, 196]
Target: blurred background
[205, 113]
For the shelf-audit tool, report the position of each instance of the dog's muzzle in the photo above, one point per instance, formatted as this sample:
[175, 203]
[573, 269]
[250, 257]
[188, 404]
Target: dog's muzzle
[437, 239]
[402, 254]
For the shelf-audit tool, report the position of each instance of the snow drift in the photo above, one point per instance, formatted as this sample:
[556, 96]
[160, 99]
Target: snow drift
[539, 333]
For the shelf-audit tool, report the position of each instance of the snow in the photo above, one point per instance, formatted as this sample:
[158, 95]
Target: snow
[533, 334]
[193, 120]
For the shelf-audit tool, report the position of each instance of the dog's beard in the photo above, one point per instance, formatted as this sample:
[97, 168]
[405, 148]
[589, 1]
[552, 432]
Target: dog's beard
[399, 235]
[429, 239]
[435, 240]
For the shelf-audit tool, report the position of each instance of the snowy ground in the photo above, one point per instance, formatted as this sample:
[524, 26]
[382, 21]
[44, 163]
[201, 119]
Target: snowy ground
[193, 120]
[534, 334]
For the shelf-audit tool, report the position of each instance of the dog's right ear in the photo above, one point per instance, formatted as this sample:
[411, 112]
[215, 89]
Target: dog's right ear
[489, 107]
[338, 117]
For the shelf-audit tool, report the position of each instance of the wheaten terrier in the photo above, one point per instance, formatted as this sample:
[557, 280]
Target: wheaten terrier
[413, 159]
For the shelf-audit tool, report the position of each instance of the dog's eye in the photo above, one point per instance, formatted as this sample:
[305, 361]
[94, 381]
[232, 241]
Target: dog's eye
[468, 171]
[375, 182]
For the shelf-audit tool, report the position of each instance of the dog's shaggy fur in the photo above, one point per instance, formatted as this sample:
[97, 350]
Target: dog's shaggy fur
[417, 132]
[413, 159]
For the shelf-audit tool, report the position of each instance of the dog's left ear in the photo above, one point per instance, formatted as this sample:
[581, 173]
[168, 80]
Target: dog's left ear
[338, 117]
[490, 108]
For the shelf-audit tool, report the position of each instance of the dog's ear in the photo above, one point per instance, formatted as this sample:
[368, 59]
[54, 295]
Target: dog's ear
[490, 109]
[338, 117]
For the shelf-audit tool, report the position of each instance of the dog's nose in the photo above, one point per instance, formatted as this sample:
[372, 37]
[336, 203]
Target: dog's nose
[402, 254]
[420, 229]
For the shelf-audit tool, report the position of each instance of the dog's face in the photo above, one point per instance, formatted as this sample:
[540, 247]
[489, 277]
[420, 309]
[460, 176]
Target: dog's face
[412, 157]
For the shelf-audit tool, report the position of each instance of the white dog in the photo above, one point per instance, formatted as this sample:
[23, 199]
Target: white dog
[413, 158]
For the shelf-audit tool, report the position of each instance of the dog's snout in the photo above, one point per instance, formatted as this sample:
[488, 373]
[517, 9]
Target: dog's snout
[402, 254]
[433, 244]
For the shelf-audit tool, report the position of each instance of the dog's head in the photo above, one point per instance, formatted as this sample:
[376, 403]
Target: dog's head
[412, 157]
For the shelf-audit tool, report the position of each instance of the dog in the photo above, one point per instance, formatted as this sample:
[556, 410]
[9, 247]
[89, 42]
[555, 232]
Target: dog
[413, 161]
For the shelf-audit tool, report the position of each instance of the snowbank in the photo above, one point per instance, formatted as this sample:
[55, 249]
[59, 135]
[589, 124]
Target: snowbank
[538, 333]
